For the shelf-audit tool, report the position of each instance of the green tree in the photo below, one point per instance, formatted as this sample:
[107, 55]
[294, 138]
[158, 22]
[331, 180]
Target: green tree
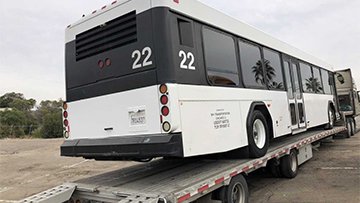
[52, 125]
[49, 114]
[17, 101]
[7, 98]
[47, 107]
[11, 123]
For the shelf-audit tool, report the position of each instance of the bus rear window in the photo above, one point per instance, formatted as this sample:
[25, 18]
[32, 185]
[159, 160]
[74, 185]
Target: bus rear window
[220, 58]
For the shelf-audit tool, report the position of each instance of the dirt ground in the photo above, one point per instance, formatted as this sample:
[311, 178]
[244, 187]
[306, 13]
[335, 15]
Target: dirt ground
[28, 167]
[333, 175]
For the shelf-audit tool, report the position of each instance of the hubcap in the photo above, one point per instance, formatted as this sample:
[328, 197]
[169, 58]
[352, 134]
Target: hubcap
[259, 133]
[238, 194]
[293, 162]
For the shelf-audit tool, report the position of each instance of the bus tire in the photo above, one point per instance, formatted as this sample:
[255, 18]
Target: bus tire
[236, 192]
[348, 127]
[331, 115]
[353, 127]
[258, 135]
[289, 165]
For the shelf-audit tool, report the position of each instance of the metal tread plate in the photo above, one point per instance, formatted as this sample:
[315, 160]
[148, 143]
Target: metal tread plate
[57, 194]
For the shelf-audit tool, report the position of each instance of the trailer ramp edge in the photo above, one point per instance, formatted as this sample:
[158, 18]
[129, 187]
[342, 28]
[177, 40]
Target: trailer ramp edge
[61, 193]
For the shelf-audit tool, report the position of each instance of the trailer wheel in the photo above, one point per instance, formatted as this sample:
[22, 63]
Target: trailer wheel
[348, 127]
[236, 192]
[289, 165]
[273, 166]
[258, 135]
[353, 128]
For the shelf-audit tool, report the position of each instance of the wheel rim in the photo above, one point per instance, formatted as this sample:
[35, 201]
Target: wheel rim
[238, 194]
[259, 133]
[331, 116]
[293, 162]
[349, 128]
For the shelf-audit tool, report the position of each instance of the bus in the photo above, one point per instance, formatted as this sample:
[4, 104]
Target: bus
[176, 78]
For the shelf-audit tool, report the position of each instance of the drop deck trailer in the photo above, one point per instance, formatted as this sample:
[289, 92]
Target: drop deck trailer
[182, 180]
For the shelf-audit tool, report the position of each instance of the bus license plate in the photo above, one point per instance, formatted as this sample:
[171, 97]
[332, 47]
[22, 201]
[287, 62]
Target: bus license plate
[138, 118]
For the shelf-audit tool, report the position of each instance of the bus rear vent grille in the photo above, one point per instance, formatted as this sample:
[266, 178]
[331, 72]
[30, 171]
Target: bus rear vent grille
[110, 35]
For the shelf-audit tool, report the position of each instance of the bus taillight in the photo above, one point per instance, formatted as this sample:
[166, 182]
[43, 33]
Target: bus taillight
[164, 99]
[65, 114]
[166, 126]
[108, 62]
[163, 89]
[65, 106]
[165, 110]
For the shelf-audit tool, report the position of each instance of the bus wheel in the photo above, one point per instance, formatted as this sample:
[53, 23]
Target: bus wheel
[348, 127]
[289, 165]
[236, 192]
[353, 128]
[258, 135]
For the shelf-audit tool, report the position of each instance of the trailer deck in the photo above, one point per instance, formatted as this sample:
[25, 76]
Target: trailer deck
[175, 180]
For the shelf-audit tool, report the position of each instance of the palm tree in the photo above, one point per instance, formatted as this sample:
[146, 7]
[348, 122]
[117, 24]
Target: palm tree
[258, 71]
[270, 74]
[276, 85]
[313, 84]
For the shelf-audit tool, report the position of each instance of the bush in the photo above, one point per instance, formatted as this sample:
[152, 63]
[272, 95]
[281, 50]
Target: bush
[14, 118]
[52, 125]
[37, 133]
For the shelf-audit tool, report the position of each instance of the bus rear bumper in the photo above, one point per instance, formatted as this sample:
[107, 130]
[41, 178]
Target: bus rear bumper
[125, 148]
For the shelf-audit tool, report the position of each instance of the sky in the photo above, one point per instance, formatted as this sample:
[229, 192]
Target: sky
[32, 35]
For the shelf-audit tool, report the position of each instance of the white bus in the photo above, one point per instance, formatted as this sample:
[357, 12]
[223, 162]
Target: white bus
[176, 78]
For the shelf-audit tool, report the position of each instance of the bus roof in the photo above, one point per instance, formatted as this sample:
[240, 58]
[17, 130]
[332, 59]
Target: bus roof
[211, 16]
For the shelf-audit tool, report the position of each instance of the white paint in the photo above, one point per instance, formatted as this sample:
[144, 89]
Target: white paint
[7, 200]
[316, 108]
[72, 166]
[340, 168]
[3, 189]
[204, 13]
[198, 11]
[89, 117]
[191, 107]
[104, 15]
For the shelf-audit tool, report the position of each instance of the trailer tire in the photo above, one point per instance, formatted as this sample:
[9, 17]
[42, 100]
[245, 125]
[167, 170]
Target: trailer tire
[236, 192]
[353, 127]
[273, 167]
[348, 127]
[258, 135]
[289, 165]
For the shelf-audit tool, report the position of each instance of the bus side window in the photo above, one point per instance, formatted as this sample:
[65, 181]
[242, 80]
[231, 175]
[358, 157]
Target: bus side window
[220, 58]
[251, 65]
[307, 78]
[317, 86]
[185, 33]
[326, 81]
[272, 63]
